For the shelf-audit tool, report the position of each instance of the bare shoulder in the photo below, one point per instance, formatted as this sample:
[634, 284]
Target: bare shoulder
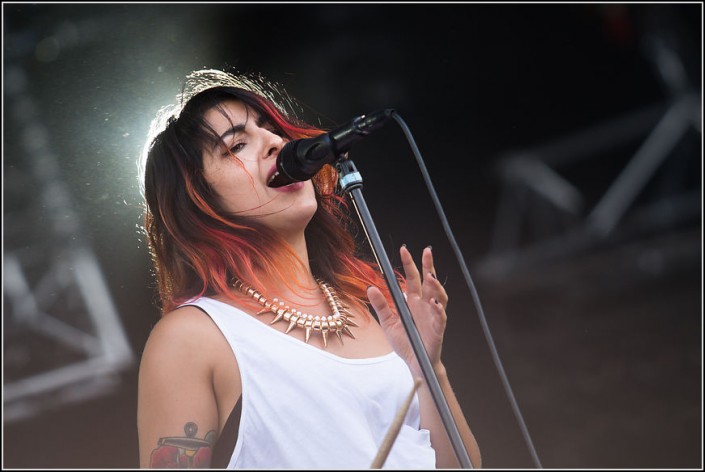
[185, 336]
[186, 321]
[176, 379]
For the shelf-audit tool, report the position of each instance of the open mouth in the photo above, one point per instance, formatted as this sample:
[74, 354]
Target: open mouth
[275, 179]
[273, 173]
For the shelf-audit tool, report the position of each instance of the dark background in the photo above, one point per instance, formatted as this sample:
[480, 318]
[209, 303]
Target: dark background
[600, 335]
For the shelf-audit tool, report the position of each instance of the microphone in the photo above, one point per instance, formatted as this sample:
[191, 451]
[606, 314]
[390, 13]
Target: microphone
[300, 159]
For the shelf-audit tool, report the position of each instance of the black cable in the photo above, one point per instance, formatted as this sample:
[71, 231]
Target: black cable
[473, 291]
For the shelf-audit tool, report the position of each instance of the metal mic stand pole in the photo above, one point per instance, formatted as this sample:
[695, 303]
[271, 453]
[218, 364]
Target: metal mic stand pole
[351, 182]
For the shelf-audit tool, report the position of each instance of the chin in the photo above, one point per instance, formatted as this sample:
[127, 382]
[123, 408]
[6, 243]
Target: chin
[309, 210]
[299, 214]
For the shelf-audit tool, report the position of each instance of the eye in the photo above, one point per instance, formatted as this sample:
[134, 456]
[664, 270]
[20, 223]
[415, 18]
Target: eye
[234, 149]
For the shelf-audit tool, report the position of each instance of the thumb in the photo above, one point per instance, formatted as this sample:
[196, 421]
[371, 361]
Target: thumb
[380, 305]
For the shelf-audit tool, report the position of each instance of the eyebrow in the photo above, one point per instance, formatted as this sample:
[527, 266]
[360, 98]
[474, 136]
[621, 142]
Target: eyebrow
[232, 130]
[237, 129]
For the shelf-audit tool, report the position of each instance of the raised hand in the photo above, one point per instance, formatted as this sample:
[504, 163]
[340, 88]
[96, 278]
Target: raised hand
[427, 301]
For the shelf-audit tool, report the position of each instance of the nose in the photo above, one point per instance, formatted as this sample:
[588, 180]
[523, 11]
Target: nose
[273, 143]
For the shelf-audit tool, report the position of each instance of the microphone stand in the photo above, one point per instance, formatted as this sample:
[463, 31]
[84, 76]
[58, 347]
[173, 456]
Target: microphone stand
[351, 182]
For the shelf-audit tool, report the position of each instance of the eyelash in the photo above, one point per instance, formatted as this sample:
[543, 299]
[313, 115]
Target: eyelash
[235, 149]
[238, 146]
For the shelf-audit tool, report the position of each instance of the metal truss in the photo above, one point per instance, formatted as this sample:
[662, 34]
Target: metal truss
[63, 340]
[542, 215]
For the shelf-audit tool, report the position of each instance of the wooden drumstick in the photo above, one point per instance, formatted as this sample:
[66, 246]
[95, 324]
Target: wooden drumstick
[394, 429]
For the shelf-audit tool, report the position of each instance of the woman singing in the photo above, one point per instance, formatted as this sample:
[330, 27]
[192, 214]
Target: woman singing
[277, 346]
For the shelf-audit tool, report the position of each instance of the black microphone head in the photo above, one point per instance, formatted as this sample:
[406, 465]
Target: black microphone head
[281, 177]
[301, 159]
[278, 180]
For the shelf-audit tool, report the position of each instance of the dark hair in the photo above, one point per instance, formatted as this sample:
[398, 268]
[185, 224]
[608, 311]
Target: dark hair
[197, 248]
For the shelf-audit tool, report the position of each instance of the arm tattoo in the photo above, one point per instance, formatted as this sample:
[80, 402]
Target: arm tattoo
[184, 452]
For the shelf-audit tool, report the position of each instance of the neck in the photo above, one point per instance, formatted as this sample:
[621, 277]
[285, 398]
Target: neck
[298, 244]
[302, 290]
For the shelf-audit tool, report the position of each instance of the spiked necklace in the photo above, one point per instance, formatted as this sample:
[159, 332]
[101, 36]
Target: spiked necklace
[336, 323]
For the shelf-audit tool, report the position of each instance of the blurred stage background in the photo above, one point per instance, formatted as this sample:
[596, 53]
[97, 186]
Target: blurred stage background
[565, 144]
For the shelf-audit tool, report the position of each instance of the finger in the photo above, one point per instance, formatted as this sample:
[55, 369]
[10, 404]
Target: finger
[439, 312]
[439, 317]
[429, 273]
[380, 305]
[427, 262]
[411, 273]
[432, 287]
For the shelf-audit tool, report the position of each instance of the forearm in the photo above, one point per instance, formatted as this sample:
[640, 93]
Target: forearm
[431, 420]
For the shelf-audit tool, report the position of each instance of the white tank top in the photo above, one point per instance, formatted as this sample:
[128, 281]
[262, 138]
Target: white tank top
[305, 408]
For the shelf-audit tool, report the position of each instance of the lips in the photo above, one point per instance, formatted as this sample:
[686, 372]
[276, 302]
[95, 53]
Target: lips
[293, 187]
